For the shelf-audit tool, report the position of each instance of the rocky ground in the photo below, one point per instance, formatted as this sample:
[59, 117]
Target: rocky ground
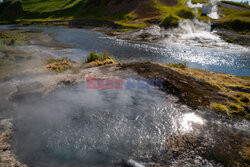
[7, 158]
[233, 37]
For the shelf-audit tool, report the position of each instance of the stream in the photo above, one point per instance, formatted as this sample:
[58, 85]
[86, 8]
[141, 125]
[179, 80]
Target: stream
[232, 60]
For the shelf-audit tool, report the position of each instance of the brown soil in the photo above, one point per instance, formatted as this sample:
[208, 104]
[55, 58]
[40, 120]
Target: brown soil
[190, 91]
[169, 2]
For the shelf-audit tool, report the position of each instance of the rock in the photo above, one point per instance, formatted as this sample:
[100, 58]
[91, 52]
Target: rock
[206, 9]
[28, 91]
[7, 158]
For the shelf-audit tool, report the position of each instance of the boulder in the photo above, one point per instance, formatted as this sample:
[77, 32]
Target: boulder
[206, 9]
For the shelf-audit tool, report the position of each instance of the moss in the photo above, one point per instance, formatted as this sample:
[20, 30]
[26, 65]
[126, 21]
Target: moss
[247, 116]
[236, 109]
[130, 16]
[244, 99]
[127, 26]
[229, 40]
[186, 14]
[232, 87]
[233, 98]
[240, 25]
[220, 108]
[178, 65]
[170, 22]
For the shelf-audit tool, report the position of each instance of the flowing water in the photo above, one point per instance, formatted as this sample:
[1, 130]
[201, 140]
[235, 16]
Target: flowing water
[192, 43]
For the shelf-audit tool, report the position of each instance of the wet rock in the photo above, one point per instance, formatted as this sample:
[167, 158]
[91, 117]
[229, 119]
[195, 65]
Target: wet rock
[7, 158]
[206, 9]
[67, 82]
[27, 92]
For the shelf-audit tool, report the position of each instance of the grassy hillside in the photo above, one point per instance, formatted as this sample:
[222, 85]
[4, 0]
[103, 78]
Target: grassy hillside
[47, 5]
[130, 14]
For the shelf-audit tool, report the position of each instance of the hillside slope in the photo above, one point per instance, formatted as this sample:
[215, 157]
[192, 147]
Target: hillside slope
[116, 10]
[128, 14]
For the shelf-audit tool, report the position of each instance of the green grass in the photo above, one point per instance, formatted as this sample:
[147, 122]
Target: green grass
[178, 65]
[38, 11]
[199, 1]
[47, 5]
[96, 59]
[95, 56]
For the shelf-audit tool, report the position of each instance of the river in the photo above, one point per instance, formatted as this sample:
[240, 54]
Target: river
[230, 61]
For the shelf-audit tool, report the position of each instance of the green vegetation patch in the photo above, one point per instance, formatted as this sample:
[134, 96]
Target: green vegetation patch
[236, 109]
[238, 25]
[47, 5]
[186, 14]
[234, 88]
[199, 1]
[220, 108]
[95, 59]
[178, 65]
[170, 22]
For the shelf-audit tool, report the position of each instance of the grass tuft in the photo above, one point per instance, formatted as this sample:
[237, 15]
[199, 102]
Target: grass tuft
[95, 59]
[59, 65]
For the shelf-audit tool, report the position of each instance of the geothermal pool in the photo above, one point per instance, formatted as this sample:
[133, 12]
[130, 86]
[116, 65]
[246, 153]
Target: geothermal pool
[79, 127]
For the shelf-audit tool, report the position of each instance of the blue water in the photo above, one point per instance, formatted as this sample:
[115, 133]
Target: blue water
[234, 61]
[217, 60]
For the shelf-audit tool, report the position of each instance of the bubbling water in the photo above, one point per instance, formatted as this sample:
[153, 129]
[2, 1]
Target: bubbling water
[79, 127]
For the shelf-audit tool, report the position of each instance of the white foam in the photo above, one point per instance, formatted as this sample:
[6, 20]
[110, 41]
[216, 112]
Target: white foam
[191, 5]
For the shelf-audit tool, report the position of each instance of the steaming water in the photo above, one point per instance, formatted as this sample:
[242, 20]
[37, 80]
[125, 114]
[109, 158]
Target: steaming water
[214, 11]
[79, 127]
